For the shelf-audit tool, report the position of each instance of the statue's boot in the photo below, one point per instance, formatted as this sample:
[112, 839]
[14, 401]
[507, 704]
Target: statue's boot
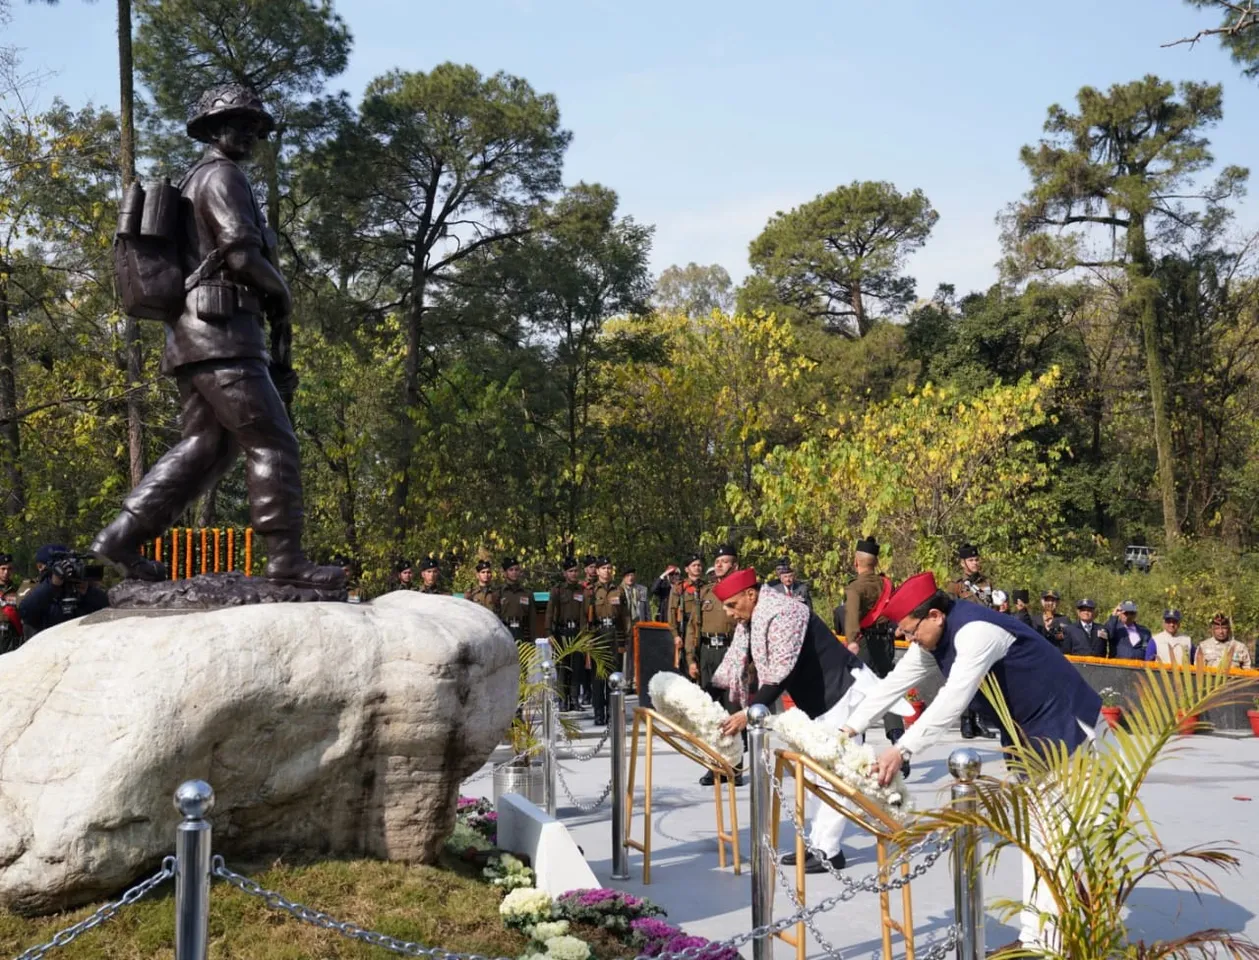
[118, 544]
[288, 564]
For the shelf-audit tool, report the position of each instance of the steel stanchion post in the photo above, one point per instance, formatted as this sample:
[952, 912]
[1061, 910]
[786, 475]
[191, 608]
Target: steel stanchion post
[968, 892]
[762, 868]
[620, 852]
[548, 737]
[194, 800]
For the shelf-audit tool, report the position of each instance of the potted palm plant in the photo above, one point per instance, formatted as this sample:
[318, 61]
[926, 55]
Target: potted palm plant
[522, 774]
[1091, 841]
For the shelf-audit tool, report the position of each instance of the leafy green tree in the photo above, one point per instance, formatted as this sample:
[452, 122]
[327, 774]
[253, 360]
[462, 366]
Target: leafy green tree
[435, 167]
[1125, 161]
[839, 258]
[694, 291]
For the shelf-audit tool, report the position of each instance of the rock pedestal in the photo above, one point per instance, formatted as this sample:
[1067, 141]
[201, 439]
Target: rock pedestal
[325, 729]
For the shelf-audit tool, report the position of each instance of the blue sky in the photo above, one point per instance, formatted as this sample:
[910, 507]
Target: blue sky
[707, 117]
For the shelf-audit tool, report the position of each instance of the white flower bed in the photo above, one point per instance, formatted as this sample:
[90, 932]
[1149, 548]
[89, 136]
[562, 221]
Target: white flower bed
[851, 761]
[684, 704]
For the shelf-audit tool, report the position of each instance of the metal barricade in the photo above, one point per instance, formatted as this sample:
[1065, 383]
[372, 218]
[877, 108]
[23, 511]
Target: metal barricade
[965, 764]
[620, 852]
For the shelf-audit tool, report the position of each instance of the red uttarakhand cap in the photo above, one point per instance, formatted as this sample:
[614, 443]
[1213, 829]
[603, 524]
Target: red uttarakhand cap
[915, 591]
[733, 583]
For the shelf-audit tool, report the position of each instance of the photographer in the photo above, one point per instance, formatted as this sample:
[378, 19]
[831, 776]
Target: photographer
[66, 590]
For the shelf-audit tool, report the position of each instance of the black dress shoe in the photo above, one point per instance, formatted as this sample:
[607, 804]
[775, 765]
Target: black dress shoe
[739, 779]
[985, 731]
[600, 720]
[707, 779]
[815, 865]
[968, 728]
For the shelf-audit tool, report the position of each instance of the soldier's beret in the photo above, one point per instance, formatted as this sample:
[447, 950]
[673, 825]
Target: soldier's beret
[483, 565]
[725, 550]
[967, 551]
[628, 569]
[509, 562]
[588, 559]
[429, 563]
[5, 558]
[1019, 595]
[868, 545]
[570, 563]
[603, 562]
[693, 557]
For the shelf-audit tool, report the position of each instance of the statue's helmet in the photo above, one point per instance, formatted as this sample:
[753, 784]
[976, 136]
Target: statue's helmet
[226, 99]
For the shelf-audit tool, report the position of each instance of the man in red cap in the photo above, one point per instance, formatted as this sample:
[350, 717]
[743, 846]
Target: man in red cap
[1046, 696]
[793, 652]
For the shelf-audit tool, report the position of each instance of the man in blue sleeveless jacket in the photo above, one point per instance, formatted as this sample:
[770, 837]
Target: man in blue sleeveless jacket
[1045, 694]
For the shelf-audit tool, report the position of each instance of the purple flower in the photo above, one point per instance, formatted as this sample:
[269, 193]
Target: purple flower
[649, 928]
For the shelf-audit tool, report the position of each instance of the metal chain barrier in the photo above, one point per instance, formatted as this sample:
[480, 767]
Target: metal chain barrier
[582, 807]
[589, 754]
[107, 912]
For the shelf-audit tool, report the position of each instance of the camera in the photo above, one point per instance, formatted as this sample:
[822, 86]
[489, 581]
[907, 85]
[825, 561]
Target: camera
[74, 569]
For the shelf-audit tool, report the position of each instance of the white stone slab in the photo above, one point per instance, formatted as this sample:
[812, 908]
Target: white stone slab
[525, 828]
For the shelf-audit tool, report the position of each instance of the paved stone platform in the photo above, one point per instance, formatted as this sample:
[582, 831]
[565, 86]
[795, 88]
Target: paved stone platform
[1205, 793]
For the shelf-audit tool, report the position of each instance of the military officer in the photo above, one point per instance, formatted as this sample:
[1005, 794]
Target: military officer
[863, 599]
[484, 592]
[1052, 625]
[430, 575]
[708, 638]
[565, 613]
[8, 586]
[682, 604]
[353, 589]
[608, 617]
[973, 586]
[515, 607]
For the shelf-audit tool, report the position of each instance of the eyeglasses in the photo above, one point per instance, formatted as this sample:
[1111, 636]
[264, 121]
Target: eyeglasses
[910, 634]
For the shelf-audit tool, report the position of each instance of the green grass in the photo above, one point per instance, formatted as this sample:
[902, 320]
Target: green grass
[441, 906]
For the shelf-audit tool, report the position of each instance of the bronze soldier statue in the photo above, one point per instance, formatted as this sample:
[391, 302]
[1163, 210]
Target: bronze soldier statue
[217, 350]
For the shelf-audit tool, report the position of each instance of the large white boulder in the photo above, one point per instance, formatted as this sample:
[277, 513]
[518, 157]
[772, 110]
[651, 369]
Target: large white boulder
[326, 729]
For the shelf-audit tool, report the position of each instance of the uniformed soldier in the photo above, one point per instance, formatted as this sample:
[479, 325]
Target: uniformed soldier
[10, 621]
[1052, 625]
[403, 576]
[565, 611]
[430, 575]
[708, 638]
[515, 603]
[682, 605]
[8, 586]
[973, 586]
[353, 589]
[484, 592]
[863, 598]
[1221, 648]
[608, 617]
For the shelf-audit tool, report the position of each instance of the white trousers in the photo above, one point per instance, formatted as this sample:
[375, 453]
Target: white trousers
[1037, 900]
[826, 825]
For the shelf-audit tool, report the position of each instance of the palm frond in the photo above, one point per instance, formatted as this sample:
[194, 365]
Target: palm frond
[1079, 818]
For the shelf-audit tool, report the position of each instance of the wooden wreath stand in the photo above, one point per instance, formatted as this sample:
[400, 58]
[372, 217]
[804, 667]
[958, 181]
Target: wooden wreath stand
[655, 725]
[866, 814]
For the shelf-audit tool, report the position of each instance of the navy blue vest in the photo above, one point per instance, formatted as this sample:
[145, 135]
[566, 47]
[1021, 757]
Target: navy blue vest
[1044, 692]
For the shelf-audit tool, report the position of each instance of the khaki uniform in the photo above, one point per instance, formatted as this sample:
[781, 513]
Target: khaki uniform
[435, 590]
[608, 617]
[565, 618]
[486, 596]
[707, 640]
[683, 606]
[877, 644]
[515, 609]
[1211, 652]
[977, 588]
